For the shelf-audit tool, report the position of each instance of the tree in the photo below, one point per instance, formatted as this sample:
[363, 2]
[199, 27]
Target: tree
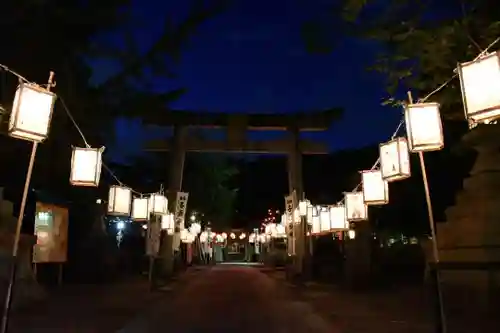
[420, 41]
[209, 180]
[64, 37]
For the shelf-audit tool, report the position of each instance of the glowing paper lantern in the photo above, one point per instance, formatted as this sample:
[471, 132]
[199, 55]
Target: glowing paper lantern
[316, 225]
[338, 221]
[167, 223]
[375, 188]
[31, 113]
[303, 204]
[119, 200]
[480, 84]
[140, 209]
[158, 204]
[351, 234]
[423, 127]
[251, 238]
[324, 218]
[356, 210]
[86, 166]
[395, 160]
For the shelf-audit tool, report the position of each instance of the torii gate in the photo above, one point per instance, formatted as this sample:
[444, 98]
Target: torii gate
[236, 141]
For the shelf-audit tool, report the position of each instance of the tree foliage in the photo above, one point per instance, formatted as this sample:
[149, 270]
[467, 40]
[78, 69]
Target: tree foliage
[420, 42]
[65, 36]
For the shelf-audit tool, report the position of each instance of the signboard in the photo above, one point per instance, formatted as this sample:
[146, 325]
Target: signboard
[51, 231]
[153, 236]
[290, 204]
[180, 210]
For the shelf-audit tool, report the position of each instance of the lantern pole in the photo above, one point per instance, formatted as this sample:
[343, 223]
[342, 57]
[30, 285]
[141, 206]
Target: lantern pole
[17, 236]
[441, 322]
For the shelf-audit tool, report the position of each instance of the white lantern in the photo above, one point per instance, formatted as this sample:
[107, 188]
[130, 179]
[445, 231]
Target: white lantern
[338, 221]
[395, 160]
[423, 127]
[316, 225]
[351, 234]
[119, 200]
[324, 218]
[167, 223]
[140, 209]
[480, 83]
[280, 230]
[158, 204]
[375, 188]
[356, 210]
[86, 164]
[303, 207]
[31, 113]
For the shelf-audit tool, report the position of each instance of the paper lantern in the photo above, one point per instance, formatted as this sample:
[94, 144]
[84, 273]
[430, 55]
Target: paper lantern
[316, 225]
[303, 204]
[140, 209]
[356, 210]
[251, 238]
[480, 84]
[119, 200]
[395, 160]
[158, 204]
[375, 188]
[324, 218]
[31, 113]
[338, 221]
[86, 164]
[423, 127]
[167, 223]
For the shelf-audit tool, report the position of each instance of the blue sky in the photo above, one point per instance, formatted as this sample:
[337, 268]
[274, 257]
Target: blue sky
[252, 59]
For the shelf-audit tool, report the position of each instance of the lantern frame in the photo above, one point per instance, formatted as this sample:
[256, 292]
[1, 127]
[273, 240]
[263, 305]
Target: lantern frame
[112, 200]
[98, 167]
[403, 154]
[14, 128]
[484, 114]
[134, 216]
[363, 213]
[385, 186]
[436, 125]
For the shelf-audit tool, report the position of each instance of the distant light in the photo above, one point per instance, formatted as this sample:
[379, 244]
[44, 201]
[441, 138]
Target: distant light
[98, 201]
[145, 226]
[120, 225]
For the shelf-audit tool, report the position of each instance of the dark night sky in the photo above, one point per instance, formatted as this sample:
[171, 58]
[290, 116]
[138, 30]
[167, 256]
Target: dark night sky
[252, 59]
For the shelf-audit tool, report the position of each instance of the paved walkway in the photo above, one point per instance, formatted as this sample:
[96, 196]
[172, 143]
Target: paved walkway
[88, 308]
[230, 298]
[400, 310]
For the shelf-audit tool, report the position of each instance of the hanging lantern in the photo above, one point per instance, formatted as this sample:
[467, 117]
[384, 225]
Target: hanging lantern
[356, 210]
[480, 84]
[119, 200]
[316, 225]
[395, 160]
[167, 223]
[324, 218]
[351, 234]
[338, 220]
[31, 113]
[423, 127]
[303, 204]
[140, 209]
[86, 166]
[375, 188]
[158, 204]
